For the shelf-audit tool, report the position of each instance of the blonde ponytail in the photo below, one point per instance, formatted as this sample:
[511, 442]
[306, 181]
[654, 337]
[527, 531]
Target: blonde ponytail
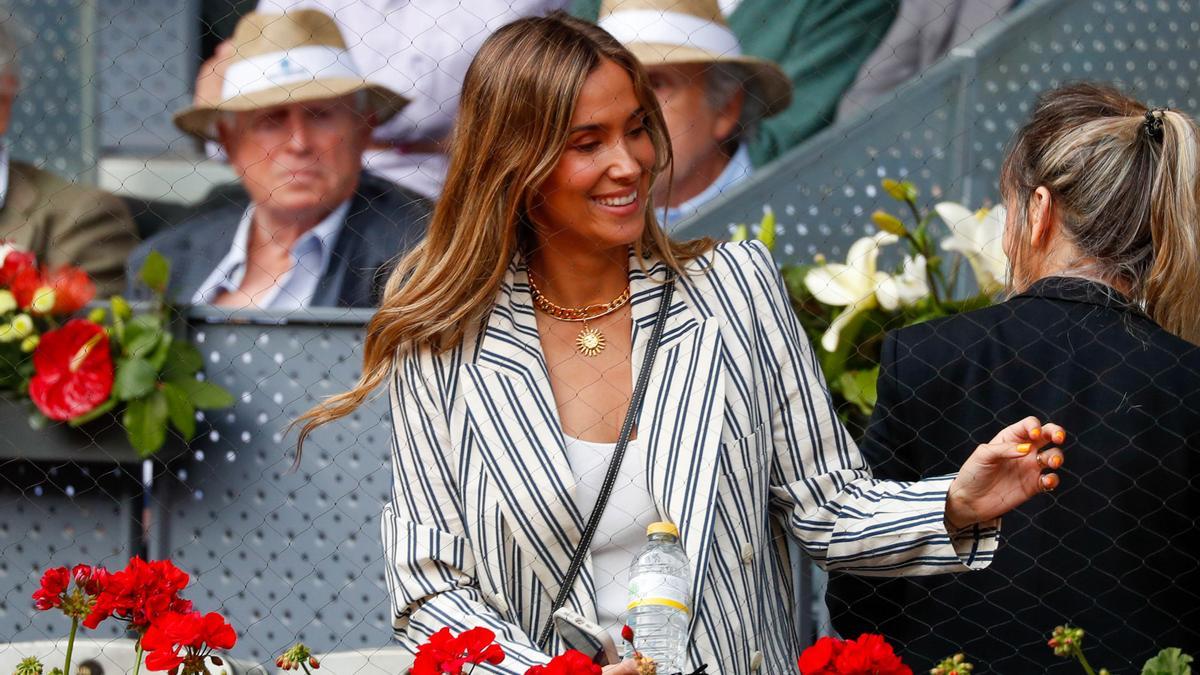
[1174, 278]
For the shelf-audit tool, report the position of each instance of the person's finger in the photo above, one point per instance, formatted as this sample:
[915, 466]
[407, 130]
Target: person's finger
[1051, 458]
[1053, 433]
[1048, 481]
[1027, 429]
[626, 667]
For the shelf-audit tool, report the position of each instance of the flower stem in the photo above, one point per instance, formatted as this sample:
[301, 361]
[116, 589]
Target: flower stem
[137, 657]
[1087, 667]
[71, 644]
[305, 667]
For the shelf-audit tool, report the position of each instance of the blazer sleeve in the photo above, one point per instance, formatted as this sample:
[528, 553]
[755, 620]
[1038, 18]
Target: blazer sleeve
[430, 563]
[844, 519]
[96, 233]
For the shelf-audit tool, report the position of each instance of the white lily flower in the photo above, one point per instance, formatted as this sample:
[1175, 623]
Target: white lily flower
[852, 285]
[979, 237]
[906, 288]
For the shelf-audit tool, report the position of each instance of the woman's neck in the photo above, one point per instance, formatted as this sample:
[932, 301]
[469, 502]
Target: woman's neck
[575, 278]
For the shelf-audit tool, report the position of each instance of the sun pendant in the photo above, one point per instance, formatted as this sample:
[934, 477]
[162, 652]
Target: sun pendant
[590, 341]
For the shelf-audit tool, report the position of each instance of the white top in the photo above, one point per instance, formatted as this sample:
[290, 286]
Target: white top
[622, 529]
[420, 49]
[311, 256]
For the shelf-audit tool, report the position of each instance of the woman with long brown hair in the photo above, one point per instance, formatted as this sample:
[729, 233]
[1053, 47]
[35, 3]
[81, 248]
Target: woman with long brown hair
[1100, 332]
[547, 328]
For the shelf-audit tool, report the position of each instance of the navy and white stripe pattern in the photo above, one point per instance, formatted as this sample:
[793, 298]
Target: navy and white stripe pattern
[742, 448]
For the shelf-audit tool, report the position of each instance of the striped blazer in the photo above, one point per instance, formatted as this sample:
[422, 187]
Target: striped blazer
[742, 448]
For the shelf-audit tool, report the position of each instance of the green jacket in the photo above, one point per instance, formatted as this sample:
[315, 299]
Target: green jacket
[820, 44]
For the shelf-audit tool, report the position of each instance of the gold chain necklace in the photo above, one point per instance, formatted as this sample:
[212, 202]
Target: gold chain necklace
[590, 341]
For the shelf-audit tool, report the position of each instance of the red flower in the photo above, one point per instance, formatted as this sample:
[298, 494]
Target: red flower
[569, 663]
[174, 638]
[54, 585]
[444, 653]
[14, 263]
[90, 579]
[140, 593]
[870, 654]
[72, 289]
[73, 371]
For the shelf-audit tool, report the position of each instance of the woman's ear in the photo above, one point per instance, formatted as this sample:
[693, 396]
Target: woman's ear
[1042, 221]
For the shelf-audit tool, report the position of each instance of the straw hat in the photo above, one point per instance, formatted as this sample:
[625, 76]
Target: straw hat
[663, 32]
[287, 58]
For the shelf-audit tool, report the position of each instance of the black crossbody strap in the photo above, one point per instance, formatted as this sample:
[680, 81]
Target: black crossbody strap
[614, 466]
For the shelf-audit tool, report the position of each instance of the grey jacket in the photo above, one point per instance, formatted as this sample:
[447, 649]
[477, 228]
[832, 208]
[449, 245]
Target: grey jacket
[383, 222]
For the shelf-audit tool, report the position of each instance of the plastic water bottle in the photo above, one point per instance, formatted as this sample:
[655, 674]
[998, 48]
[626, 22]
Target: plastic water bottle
[660, 599]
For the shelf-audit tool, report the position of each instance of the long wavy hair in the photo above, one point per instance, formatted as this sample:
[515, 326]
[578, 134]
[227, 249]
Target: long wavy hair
[518, 98]
[1125, 182]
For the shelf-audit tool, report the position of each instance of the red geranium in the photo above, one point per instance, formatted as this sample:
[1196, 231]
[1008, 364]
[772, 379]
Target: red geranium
[571, 662]
[73, 370]
[870, 654]
[175, 639]
[140, 593]
[54, 586]
[444, 653]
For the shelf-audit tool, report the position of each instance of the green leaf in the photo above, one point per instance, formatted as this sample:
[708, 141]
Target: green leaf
[145, 423]
[205, 395]
[155, 272]
[134, 379]
[158, 357]
[858, 387]
[180, 410]
[1170, 661]
[96, 412]
[182, 363]
[141, 343]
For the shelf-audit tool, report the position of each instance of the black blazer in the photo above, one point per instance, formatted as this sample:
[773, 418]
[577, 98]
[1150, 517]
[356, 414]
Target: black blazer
[1111, 549]
[383, 222]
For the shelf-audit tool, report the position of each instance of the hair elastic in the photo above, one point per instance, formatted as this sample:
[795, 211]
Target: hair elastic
[1154, 123]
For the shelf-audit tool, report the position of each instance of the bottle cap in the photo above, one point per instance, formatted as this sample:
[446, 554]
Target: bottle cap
[663, 527]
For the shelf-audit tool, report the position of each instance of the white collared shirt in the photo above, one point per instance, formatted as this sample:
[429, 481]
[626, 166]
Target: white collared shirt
[311, 254]
[738, 168]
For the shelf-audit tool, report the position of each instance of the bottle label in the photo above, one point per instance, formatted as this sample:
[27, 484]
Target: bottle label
[664, 590]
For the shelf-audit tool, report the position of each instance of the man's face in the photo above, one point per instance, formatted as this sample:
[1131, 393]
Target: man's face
[300, 159]
[696, 128]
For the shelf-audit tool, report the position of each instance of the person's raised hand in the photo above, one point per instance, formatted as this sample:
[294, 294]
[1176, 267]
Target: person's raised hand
[1016, 465]
[626, 667]
[211, 76]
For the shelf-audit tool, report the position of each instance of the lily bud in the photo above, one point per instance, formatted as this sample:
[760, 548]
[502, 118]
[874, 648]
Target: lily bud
[312, 661]
[97, 315]
[886, 222]
[903, 191]
[766, 229]
[740, 233]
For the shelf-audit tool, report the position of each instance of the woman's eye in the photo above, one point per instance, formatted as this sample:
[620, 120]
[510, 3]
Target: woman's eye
[587, 147]
[637, 131]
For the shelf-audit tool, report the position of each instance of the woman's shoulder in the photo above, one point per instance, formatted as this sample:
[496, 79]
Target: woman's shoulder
[733, 267]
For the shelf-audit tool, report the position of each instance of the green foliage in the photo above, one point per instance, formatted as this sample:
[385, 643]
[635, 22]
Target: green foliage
[145, 422]
[1170, 661]
[155, 272]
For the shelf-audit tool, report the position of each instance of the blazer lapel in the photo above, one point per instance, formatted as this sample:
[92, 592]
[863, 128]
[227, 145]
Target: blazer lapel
[680, 423]
[510, 406]
[210, 243]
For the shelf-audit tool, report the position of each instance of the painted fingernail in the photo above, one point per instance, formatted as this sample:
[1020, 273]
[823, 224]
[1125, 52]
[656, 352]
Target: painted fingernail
[1059, 436]
[1024, 448]
[1056, 461]
[1035, 433]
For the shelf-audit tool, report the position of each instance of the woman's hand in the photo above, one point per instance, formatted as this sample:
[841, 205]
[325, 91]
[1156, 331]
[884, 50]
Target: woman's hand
[626, 667]
[1005, 473]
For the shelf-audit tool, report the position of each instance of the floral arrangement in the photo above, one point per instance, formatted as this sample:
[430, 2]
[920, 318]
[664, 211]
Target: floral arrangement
[846, 307]
[146, 596]
[870, 654]
[75, 370]
[447, 654]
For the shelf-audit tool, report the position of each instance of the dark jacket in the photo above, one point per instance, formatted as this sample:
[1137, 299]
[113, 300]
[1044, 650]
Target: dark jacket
[383, 222]
[1113, 549]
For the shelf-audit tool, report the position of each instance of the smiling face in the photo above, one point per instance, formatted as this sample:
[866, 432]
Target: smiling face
[300, 159]
[596, 196]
